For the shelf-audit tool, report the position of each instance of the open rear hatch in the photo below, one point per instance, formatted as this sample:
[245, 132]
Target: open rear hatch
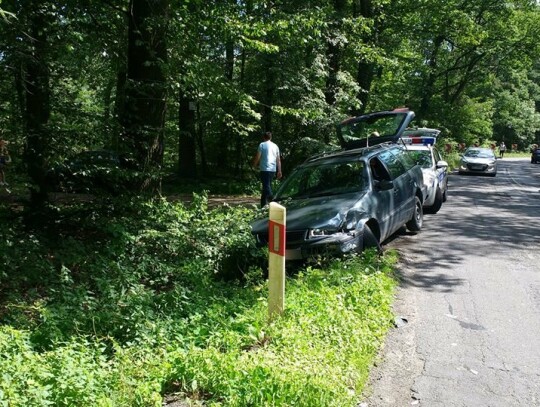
[374, 128]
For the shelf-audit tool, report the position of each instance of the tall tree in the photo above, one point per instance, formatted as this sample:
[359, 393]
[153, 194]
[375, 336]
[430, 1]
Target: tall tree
[145, 93]
[187, 162]
[35, 77]
[335, 45]
[366, 68]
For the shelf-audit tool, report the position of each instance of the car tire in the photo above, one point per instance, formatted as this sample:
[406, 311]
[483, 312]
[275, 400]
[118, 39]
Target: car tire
[437, 203]
[369, 239]
[415, 223]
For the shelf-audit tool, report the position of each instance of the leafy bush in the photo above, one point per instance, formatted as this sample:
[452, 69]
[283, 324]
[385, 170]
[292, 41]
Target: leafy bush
[318, 353]
[120, 303]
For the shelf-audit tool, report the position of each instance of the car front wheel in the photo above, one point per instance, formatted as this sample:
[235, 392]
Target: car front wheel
[437, 203]
[369, 239]
[415, 224]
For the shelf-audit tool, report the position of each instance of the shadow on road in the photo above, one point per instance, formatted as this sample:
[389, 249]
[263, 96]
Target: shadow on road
[483, 216]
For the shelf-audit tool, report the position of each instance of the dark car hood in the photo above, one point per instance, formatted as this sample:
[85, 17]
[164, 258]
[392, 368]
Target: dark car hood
[320, 212]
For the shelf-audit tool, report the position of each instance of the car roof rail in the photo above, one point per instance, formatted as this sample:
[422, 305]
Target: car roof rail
[349, 151]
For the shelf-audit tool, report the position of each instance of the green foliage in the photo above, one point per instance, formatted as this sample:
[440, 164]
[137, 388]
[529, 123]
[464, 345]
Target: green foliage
[118, 303]
[251, 66]
[516, 119]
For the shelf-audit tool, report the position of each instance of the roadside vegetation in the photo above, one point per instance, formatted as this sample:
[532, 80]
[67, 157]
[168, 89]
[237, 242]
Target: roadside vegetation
[125, 303]
[115, 296]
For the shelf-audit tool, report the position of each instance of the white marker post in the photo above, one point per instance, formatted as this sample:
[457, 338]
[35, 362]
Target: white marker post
[276, 259]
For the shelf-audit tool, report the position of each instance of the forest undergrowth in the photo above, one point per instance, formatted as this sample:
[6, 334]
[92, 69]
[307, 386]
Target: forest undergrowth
[117, 302]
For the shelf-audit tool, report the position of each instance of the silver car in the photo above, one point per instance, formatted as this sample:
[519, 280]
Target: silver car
[420, 145]
[478, 160]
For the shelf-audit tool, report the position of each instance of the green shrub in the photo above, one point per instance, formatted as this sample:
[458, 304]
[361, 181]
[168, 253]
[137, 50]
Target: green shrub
[318, 353]
[119, 303]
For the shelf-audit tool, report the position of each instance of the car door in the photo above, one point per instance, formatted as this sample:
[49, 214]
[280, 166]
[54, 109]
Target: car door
[403, 191]
[441, 172]
[381, 201]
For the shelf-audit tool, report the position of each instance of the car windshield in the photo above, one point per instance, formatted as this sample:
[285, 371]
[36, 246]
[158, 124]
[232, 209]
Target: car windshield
[479, 154]
[331, 178]
[421, 157]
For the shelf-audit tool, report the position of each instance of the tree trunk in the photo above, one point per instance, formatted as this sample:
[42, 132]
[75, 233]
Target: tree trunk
[269, 91]
[364, 78]
[466, 78]
[333, 52]
[145, 92]
[226, 136]
[200, 142]
[429, 82]
[187, 163]
[119, 108]
[37, 110]
[366, 70]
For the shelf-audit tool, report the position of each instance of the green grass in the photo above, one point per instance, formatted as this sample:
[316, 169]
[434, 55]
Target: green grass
[138, 301]
[517, 154]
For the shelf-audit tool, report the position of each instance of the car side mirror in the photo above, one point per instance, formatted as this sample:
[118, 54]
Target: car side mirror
[384, 185]
[442, 164]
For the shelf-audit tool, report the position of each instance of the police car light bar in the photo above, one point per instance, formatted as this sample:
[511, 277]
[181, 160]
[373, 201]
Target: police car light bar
[419, 140]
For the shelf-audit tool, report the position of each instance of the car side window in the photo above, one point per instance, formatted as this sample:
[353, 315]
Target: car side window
[405, 158]
[437, 155]
[378, 170]
[393, 163]
[421, 157]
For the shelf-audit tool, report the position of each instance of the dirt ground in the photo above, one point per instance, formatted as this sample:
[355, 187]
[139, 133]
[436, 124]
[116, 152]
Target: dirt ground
[17, 199]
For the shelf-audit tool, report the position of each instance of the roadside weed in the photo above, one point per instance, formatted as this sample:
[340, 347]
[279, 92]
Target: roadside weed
[138, 301]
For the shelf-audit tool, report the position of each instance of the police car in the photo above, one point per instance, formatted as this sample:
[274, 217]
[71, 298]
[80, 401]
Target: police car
[420, 143]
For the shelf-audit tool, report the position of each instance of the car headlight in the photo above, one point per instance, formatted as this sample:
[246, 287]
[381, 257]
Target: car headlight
[319, 232]
[464, 161]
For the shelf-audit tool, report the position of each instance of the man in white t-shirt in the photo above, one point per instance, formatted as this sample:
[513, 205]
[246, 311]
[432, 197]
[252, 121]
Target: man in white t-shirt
[502, 149]
[267, 158]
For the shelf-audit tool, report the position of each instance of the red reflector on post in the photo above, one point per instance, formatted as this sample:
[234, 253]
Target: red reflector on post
[276, 238]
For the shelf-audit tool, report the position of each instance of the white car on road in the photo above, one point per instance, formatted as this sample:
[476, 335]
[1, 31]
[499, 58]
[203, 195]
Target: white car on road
[420, 143]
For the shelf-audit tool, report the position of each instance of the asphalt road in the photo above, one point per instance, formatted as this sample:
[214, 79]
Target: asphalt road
[471, 297]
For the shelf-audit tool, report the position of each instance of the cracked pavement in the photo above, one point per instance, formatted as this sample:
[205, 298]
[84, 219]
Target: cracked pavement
[470, 291]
